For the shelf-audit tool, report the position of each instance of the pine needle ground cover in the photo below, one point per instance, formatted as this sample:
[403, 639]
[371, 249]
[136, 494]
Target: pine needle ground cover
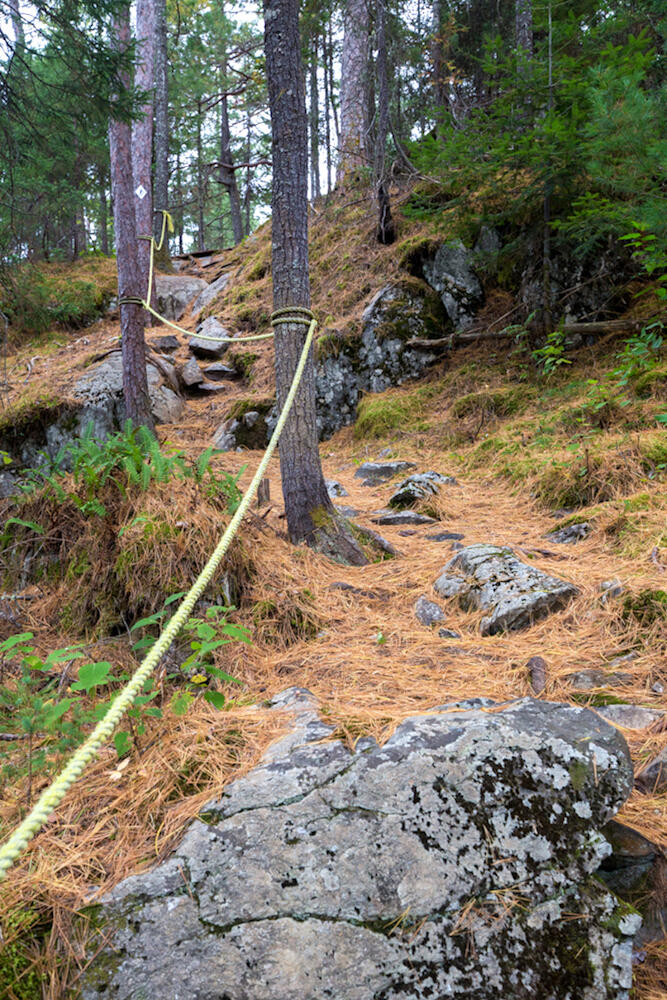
[530, 454]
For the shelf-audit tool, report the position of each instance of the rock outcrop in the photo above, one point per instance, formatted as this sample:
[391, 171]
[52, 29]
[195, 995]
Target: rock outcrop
[175, 292]
[450, 272]
[456, 860]
[492, 579]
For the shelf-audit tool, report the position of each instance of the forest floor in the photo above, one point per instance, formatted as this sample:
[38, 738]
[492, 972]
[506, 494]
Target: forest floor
[520, 446]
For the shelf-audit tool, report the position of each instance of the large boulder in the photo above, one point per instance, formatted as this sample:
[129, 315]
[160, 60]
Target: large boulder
[455, 861]
[210, 293]
[450, 272]
[101, 392]
[175, 292]
[492, 579]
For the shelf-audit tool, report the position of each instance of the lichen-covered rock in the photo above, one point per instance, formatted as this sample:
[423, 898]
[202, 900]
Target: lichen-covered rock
[489, 578]
[210, 293]
[375, 473]
[101, 392]
[335, 489]
[418, 487]
[206, 344]
[394, 517]
[571, 533]
[428, 612]
[631, 716]
[451, 274]
[454, 861]
[175, 292]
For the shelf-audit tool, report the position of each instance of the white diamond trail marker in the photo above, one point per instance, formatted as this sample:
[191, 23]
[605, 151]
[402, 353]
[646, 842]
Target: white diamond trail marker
[141, 192]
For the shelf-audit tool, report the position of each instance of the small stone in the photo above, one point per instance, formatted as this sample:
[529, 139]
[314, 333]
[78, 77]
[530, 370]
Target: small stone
[570, 534]
[347, 511]
[610, 589]
[213, 348]
[218, 372]
[374, 473]
[191, 373]
[335, 489]
[372, 595]
[658, 688]
[653, 777]
[630, 716]
[418, 487]
[428, 612]
[457, 547]
[446, 536]
[586, 680]
[166, 343]
[537, 671]
[448, 633]
[407, 532]
[403, 517]
[211, 388]
[620, 660]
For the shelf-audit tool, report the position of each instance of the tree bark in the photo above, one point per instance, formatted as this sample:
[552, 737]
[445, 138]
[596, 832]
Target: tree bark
[315, 190]
[135, 383]
[161, 133]
[523, 18]
[142, 141]
[17, 23]
[104, 211]
[201, 223]
[228, 173]
[310, 513]
[386, 231]
[354, 73]
[327, 110]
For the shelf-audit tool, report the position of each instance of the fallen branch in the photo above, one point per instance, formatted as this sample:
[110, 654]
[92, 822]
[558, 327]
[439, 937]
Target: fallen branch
[469, 337]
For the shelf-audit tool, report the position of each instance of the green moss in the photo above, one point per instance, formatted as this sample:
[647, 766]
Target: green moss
[17, 962]
[504, 402]
[78, 566]
[578, 774]
[652, 384]
[645, 607]
[415, 311]
[654, 452]
[641, 501]
[381, 414]
[244, 362]
[243, 406]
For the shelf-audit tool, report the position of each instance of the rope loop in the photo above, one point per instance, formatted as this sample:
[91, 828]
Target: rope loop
[128, 300]
[292, 314]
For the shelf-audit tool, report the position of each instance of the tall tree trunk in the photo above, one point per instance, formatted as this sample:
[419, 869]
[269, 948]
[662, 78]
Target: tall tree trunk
[439, 66]
[201, 224]
[227, 171]
[548, 190]
[310, 513]
[332, 89]
[315, 190]
[386, 231]
[523, 16]
[17, 23]
[247, 194]
[354, 73]
[327, 111]
[142, 141]
[135, 384]
[161, 134]
[104, 211]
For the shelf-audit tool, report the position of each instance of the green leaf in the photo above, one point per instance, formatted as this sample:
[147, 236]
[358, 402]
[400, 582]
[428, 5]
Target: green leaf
[215, 698]
[181, 702]
[15, 640]
[237, 632]
[174, 597]
[37, 528]
[56, 711]
[91, 675]
[122, 742]
[155, 713]
[151, 620]
[221, 675]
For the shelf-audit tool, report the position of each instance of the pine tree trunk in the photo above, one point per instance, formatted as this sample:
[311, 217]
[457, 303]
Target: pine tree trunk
[310, 513]
[327, 111]
[135, 384]
[439, 66]
[161, 135]
[142, 141]
[227, 171]
[17, 23]
[354, 73]
[201, 224]
[386, 231]
[524, 26]
[247, 194]
[315, 190]
[104, 212]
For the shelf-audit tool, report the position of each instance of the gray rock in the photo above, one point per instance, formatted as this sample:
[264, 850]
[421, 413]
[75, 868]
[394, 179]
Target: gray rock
[428, 612]
[218, 372]
[486, 250]
[347, 511]
[448, 633]
[407, 532]
[538, 672]
[101, 392]
[586, 680]
[457, 547]
[570, 534]
[611, 589]
[166, 343]
[327, 874]
[403, 517]
[212, 388]
[375, 473]
[175, 292]
[635, 870]
[335, 489]
[420, 486]
[210, 293]
[213, 348]
[445, 536]
[191, 373]
[488, 578]
[630, 716]
[451, 274]
[653, 777]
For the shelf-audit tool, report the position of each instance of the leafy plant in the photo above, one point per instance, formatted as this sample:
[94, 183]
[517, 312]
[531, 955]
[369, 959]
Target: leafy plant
[552, 356]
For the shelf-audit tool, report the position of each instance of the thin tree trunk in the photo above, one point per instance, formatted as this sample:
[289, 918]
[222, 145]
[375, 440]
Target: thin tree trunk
[142, 141]
[310, 513]
[332, 89]
[17, 23]
[135, 385]
[201, 224]
[523, 15]
[386, 231]
[548, 188]
[104, 212]
[179, 187]
[227, 171]
[315, 190]
[161, 134]
[354, 73]
[439, 66]
[247, 194]
[327, 111]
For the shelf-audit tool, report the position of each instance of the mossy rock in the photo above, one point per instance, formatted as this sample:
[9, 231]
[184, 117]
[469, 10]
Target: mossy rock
[405, 309]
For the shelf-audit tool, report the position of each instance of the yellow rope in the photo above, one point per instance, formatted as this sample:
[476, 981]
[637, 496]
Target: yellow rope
[55, 793]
